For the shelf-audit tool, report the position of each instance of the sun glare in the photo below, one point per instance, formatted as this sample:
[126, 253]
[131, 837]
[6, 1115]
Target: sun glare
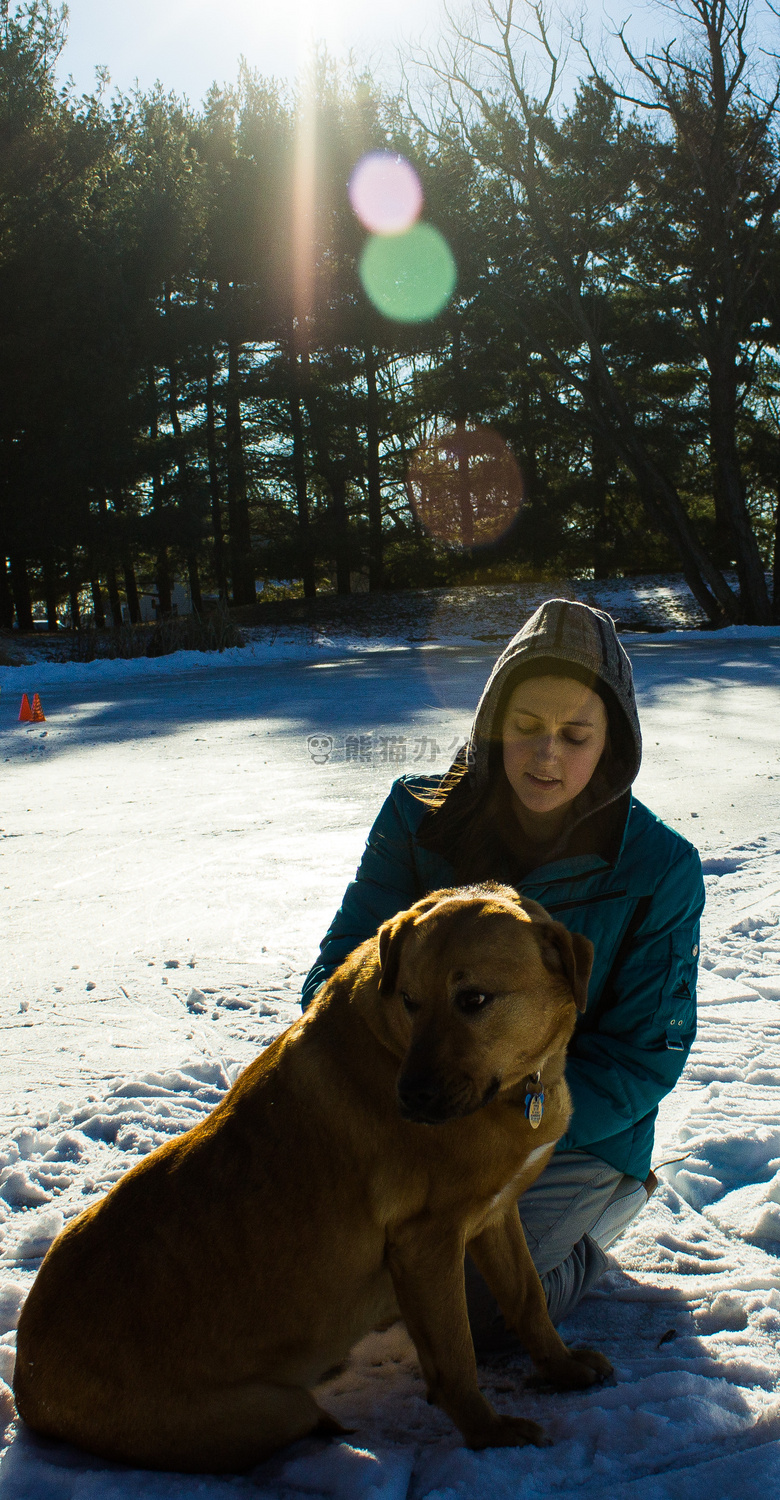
[337, 25]
[385, 193]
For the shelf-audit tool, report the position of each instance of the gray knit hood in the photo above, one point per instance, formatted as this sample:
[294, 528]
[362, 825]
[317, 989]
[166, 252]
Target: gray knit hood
[565, 631]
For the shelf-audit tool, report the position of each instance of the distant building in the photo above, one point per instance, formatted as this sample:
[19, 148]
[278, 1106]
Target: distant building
[181, 603]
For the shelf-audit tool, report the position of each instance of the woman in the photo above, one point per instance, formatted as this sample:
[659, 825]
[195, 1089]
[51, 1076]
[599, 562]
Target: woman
[542, 800]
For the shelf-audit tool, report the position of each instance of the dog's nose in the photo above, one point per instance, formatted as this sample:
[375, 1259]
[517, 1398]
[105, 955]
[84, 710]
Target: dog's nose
[417, 1095]
[421, 1099]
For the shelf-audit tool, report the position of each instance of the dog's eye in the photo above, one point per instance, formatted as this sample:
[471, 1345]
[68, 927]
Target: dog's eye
[470, 1000]
[410, 1005]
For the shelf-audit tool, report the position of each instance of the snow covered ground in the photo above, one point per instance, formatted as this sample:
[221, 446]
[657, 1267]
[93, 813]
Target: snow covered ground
[172, 829]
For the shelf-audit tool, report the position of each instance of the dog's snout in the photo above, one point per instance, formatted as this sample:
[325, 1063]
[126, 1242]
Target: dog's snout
[417, 1094]
[430, 1099]
[422, 1098]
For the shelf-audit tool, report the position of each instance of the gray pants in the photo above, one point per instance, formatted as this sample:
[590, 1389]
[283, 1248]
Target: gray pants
[571, 1215]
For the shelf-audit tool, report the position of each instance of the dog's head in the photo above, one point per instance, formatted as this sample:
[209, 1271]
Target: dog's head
[478, 989]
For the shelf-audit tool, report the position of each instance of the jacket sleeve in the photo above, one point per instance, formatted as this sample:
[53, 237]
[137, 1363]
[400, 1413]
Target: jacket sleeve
[386, 882]
[619, 1069]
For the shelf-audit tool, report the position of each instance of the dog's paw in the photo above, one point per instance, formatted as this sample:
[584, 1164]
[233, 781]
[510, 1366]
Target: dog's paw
[583, 1367]
[510, 1432]
[597, 1362]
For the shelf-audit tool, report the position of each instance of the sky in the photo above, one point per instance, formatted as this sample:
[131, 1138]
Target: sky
[188, 44]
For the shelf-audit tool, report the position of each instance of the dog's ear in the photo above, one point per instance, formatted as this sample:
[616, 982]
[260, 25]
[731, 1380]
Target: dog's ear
[568, 953]
[390, 939]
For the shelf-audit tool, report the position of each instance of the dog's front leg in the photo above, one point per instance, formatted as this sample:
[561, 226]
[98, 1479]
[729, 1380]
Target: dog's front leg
[501, 1255]
[426, 1266]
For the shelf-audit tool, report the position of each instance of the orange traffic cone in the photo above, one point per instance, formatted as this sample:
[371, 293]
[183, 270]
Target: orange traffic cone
[25, 712]
[37, 715]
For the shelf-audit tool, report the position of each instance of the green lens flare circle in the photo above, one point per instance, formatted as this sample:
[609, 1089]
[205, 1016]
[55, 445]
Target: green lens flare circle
[409, 277]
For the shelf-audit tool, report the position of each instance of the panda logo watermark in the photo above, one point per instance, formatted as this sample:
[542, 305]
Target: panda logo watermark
[320, 747]
[369, 748]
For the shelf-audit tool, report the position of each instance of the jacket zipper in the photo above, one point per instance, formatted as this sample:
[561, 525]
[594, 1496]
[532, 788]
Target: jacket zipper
[584, 901]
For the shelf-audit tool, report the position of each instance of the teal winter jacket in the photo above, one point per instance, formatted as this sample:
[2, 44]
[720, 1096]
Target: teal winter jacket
[630, 1046]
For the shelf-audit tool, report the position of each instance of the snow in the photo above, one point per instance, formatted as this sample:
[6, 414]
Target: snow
[171, 854]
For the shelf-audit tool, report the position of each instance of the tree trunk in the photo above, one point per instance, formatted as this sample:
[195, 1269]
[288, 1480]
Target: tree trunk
[21, 587]
[196, 597]
[164, 585]
[110, 569]
[73, 592]
[338, 489]
[724, 541]
[533, 509]
[463, 482]
[163, 571]
[97, 605]
[131, 588]
[463, 478]
[374, 475]
[50, 592]
[113, 595]
[6, 597]
[241, 561]
[186, 490]
[301, 483]
[334, 472]
[216, 499]
[600, 471]
[128, 570]
[756, 608]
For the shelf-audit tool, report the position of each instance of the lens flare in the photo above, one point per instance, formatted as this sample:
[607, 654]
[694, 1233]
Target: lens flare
[465, 487]
[409, 277]
[385, 193]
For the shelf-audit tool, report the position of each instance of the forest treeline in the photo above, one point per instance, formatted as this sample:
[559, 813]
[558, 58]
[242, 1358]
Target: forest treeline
[194, 384]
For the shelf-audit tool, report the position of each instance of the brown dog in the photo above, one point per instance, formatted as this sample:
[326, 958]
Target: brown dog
[181, 1322]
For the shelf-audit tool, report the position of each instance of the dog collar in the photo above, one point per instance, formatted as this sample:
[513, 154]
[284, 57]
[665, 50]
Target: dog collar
[534, 1100]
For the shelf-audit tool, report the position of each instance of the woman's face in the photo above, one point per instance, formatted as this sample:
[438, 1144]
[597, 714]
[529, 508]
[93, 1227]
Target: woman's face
[554, 732]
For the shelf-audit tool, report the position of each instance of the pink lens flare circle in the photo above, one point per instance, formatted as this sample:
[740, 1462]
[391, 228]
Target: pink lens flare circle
[465, 487]
[385, 193]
